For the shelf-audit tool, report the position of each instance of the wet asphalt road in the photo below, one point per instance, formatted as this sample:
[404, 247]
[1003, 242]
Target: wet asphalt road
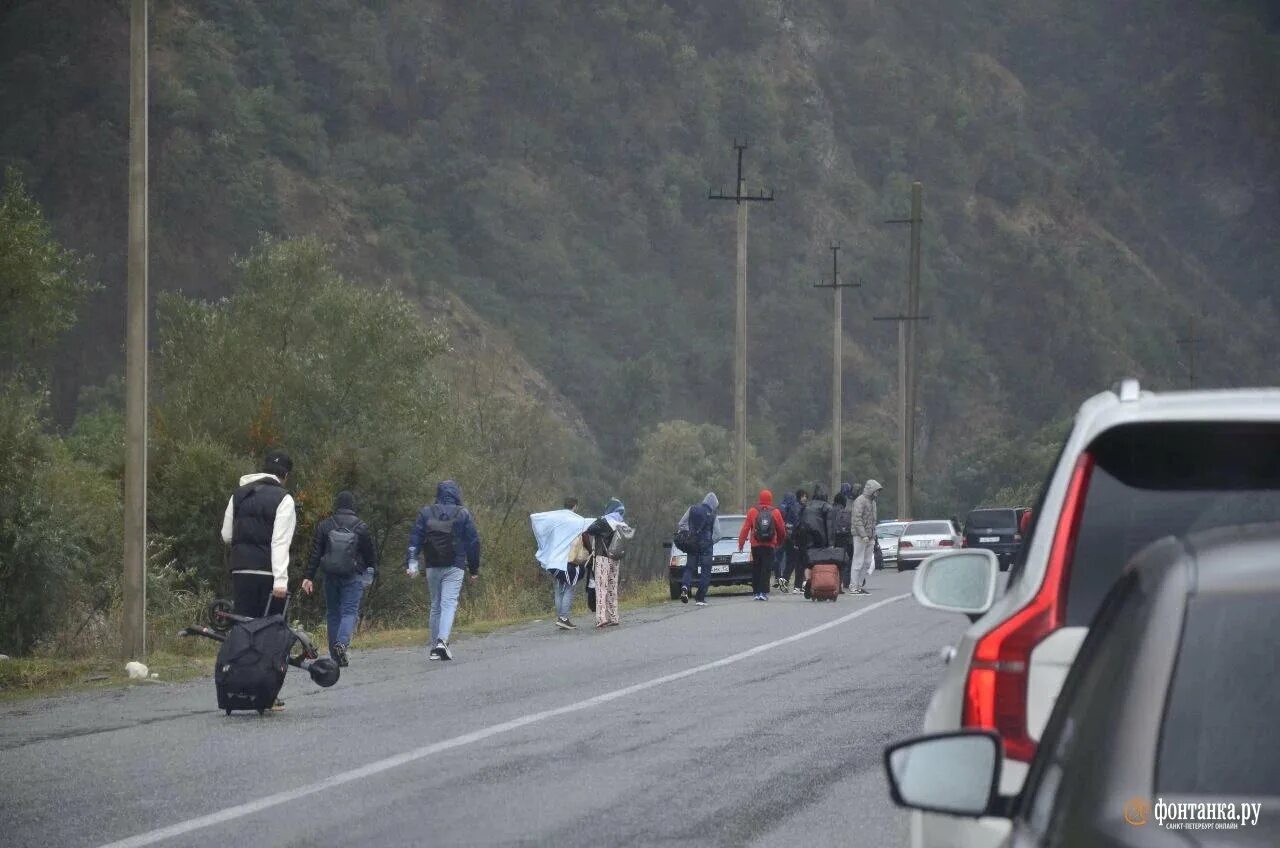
[531, 736]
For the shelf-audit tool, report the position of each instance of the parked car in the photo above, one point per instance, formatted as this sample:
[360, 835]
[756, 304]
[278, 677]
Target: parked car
[1137, 466]
[922, 539]
[1168, 701]
[729, 567]
[995, 529]
[887, 535]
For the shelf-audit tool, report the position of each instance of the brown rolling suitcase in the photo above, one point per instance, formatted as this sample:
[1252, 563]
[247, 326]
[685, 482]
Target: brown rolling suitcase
[824, 582]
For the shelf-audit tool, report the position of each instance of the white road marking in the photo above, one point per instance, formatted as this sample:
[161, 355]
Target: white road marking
[239, 811]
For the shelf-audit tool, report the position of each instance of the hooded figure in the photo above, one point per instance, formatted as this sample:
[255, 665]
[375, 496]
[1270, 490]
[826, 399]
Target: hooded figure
[864, 512]
[768, 531]
[700, 521]
[554, 532]
[610, 535]
[814, 518]
[446, 537]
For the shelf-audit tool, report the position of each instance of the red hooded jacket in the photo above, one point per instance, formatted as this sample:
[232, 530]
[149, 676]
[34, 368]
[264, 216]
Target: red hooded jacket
[749, 525]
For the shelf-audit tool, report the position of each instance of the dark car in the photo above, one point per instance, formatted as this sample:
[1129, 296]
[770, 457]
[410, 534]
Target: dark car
[994, 529]
[728, 566]
[1164, 732]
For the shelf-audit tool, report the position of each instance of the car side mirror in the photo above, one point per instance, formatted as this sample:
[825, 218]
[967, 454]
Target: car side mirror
[962, 581]
[956, 773]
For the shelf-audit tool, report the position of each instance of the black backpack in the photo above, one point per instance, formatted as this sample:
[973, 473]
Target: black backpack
[252, 663]
[841, 525]
[813, 524]
[766, 528]
[440, 546]
[342, 557]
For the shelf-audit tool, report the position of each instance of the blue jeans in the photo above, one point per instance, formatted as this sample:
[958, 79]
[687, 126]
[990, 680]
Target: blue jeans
[342, 603]
[563, 595]
[702, 562]
[779, 561]
[445, 583]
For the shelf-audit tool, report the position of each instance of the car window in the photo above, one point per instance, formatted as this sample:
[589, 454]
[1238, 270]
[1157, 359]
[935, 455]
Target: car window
[1218, 736]
[1154, 480]
[992, 519]
[727, 526]
[887, 531]
[1020, 559]
[928, 528]
[1084, 707]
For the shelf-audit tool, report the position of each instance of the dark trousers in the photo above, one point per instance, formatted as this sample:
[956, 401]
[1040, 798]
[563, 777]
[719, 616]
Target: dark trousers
[701, 563]
[779, 561]
[846, 570]
[251, 594]
[761, 568]
[795, 563]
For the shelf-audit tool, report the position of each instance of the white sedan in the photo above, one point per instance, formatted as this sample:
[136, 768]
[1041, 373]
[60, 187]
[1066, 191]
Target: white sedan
[922, 539]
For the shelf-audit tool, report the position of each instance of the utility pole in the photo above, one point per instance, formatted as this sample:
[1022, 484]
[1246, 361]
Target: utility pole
[1191, 342]
[741, 198]
[837, 375]
[907, 356]
[134, 583]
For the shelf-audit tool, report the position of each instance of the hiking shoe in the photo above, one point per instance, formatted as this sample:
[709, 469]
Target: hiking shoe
[569, 625]
[797, 591]
[563, 624]
[277, 706]
[699, 603]
[684, 594]
[443, 647]
[861, 592]
[339, 653]
[765, 596]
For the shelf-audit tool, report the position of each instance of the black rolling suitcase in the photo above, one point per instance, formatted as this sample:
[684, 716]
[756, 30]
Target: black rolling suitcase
[252, 663]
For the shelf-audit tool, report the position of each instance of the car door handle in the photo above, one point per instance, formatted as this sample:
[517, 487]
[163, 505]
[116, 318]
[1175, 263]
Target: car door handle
[948, 653]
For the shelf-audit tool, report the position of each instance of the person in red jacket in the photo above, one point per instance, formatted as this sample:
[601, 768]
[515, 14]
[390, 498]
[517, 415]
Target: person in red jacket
[768, 532]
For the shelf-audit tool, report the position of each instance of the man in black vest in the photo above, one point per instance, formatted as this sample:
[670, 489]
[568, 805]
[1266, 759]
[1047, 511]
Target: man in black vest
[258, 525]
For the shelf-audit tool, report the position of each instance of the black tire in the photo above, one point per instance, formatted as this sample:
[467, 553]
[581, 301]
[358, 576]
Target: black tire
[228, 711]
[675, 591]
[261, 711]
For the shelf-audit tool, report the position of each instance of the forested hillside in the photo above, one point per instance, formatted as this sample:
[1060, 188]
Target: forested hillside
[1095, 174]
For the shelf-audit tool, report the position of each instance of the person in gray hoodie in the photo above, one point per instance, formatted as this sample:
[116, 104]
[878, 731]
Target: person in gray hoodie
[700, 521]
[864, 535]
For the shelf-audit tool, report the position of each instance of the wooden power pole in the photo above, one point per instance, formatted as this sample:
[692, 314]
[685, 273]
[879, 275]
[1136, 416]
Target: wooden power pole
[907, 357]
[837, 375]
[741, 198]
[134, 583]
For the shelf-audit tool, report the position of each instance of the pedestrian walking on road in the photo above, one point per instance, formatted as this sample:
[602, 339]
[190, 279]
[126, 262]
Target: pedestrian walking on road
[767, 530]
[342, 548]
[864, 535]
[566, 581]
[841, 516]
[815, 529]
[445, 536]
[795, 553]
[781, 554]
[696, 531]
[609, 536]
[258, 524]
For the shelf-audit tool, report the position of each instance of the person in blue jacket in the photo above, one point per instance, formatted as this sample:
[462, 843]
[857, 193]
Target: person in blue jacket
[445, 536]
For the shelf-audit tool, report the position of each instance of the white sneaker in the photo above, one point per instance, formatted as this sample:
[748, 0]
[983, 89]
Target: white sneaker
[699, 603]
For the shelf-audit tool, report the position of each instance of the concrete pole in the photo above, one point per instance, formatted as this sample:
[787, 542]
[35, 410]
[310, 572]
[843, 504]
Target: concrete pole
[904, 445]
[913, 311]
[740, 359]
[134, 583]
[837, 388]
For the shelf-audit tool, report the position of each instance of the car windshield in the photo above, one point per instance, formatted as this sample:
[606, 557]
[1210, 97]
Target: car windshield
[1155, 480]
[928, 528]
[890, 531]
[992, 519]
[727, 526]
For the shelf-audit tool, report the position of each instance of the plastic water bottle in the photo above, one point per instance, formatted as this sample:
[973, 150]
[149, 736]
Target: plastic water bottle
[368, 577]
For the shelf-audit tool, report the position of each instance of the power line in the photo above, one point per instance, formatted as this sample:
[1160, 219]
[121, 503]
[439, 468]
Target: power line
[837, 368]
[742, 199]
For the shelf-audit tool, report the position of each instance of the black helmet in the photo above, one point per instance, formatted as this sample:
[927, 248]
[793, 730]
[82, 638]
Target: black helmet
[324, 672]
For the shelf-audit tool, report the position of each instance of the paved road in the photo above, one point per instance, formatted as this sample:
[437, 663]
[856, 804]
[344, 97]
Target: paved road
[743, 723]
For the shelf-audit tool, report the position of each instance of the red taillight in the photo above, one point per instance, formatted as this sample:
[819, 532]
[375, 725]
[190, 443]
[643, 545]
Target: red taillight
[902, 545]
[995, 695]
[946, 543]
[964, 543]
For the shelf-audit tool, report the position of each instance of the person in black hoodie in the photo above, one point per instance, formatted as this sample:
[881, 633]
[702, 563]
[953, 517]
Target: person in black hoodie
[343, 549]
[815, 528]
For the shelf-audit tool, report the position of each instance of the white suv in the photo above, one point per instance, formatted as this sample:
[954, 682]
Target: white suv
[1136, 467]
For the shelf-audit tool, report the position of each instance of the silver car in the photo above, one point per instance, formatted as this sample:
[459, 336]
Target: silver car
[887, 535]
[922, 539]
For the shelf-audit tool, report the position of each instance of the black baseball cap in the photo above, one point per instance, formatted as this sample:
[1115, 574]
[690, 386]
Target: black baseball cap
[277, 462]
